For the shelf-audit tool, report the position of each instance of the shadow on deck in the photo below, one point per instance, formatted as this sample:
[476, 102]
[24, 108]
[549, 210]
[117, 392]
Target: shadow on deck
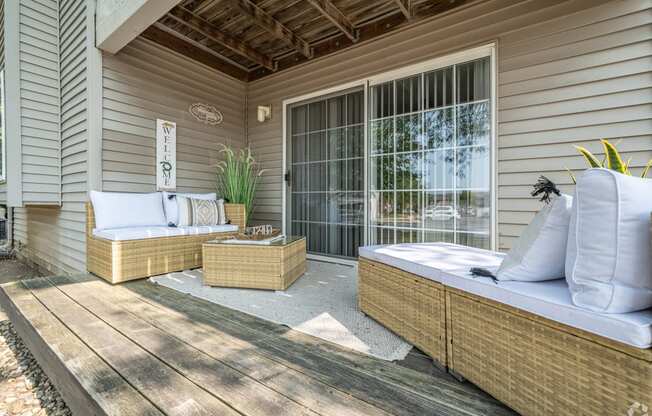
[140, 348]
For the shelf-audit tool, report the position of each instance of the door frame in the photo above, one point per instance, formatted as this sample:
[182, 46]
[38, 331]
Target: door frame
[487, 50]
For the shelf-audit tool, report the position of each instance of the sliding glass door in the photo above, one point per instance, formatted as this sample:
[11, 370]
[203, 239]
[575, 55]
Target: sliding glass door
[429, 157]
[424, 173]
[326, 173]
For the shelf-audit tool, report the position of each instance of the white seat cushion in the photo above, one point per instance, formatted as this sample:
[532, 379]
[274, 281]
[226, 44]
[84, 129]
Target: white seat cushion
[552, 300]
[430, 259]
[121, 210]
[139, 233]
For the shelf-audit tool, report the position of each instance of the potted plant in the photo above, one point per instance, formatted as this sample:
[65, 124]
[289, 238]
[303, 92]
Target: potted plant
[237, 177]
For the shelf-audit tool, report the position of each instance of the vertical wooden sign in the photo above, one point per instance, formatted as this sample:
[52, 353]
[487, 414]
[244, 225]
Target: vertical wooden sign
[166, 155]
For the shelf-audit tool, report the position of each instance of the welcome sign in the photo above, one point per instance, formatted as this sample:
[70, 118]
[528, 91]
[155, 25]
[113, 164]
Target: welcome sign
[166, 155]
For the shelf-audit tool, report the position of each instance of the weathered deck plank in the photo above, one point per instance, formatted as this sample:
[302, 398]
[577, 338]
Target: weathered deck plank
[242, 356]
[183, 355]
[87, 384]
[163, 386]
[240, 391]
[380, 384]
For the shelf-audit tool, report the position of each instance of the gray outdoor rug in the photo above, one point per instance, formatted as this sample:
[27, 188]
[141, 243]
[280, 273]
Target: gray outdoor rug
[321, 303]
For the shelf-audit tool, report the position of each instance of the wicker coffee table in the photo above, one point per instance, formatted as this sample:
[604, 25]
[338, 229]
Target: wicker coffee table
[274, 266]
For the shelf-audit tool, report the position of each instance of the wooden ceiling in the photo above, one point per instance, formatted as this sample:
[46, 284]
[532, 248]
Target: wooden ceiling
[250, 39]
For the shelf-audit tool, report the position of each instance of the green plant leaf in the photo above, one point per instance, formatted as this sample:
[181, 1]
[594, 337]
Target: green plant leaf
[614, 161]
[570, 173]
[590, 158]
[647, 169]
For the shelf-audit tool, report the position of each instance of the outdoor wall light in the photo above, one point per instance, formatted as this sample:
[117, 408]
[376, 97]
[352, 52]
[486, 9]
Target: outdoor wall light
[264, 113]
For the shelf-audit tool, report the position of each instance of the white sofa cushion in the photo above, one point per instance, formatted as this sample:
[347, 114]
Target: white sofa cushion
[552, 300]
[540, 252]
[608, 265]
[121, 210]
[430, 259]
[139, 233]
[171, 208]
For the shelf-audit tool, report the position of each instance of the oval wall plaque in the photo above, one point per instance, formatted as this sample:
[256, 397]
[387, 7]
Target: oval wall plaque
[205, 113]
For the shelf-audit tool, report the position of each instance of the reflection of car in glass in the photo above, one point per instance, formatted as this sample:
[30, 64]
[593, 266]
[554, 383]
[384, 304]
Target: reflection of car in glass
[441, 212]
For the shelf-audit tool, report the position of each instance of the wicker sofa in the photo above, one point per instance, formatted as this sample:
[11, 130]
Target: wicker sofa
[120, 261]
[505, 342]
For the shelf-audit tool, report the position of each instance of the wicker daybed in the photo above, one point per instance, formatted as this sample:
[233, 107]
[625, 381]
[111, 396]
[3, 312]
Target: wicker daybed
[535, 365]
[120, 261]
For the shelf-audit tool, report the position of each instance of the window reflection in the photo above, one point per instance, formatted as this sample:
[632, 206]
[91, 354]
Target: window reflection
[430, 170]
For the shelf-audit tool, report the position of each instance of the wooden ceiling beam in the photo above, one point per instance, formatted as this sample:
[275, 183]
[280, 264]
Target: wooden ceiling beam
[406, 7]
[338, 18]
[206, 28]
[367, 32]
[184, 46]
[273, 26]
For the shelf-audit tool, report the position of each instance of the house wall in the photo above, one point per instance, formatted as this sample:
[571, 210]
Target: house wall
[39, 101]
[54, 236]
[3, 186]
[569, 73]
[144, 82]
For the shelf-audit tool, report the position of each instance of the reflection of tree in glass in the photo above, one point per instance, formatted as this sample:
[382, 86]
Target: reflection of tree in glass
[464, 157]
[439, 128]
[472, 124]
[408, 133]
[382, 140]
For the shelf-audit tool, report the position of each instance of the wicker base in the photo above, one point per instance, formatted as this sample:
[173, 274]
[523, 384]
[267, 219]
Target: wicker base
[254, 266]
[540, 367]
[120, 261]
[409, 305]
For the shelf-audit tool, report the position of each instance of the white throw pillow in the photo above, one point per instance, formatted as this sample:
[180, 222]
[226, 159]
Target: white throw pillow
[172, 209]
[121, 210]
[608, 266]
[540, 252]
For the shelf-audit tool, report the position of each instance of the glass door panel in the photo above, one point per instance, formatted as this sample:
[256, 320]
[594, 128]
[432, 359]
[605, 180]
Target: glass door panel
[326, 163]
[429, 162]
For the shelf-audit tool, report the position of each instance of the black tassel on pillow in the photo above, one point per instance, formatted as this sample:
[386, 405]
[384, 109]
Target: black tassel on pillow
[545, 187]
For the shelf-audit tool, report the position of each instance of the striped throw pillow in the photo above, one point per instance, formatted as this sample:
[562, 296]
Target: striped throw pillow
[206, 212]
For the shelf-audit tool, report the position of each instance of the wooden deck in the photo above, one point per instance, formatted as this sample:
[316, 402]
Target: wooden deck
[142, 349]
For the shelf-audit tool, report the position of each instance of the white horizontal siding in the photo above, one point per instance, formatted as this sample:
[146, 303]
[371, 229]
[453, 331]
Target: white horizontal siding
[569, 72]
[39, 101]
[54, 237]
[145, 82]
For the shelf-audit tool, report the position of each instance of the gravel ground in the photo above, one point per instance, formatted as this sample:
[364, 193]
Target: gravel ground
[24, 389]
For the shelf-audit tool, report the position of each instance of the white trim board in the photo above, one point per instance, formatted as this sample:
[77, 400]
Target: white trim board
[488, 50]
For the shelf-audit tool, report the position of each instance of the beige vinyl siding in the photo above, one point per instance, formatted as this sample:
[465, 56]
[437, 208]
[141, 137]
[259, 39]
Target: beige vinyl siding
[570, 82]
[569, 72]
[3, 186]
[54, 237]
[144, 82]
[39, 101]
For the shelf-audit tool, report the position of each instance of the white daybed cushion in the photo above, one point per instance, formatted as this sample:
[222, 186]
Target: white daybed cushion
[121, 210]
[139, 233]
[608, 265]
[171, 208]
[430, 259]
[540, 252]
[552, 300]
